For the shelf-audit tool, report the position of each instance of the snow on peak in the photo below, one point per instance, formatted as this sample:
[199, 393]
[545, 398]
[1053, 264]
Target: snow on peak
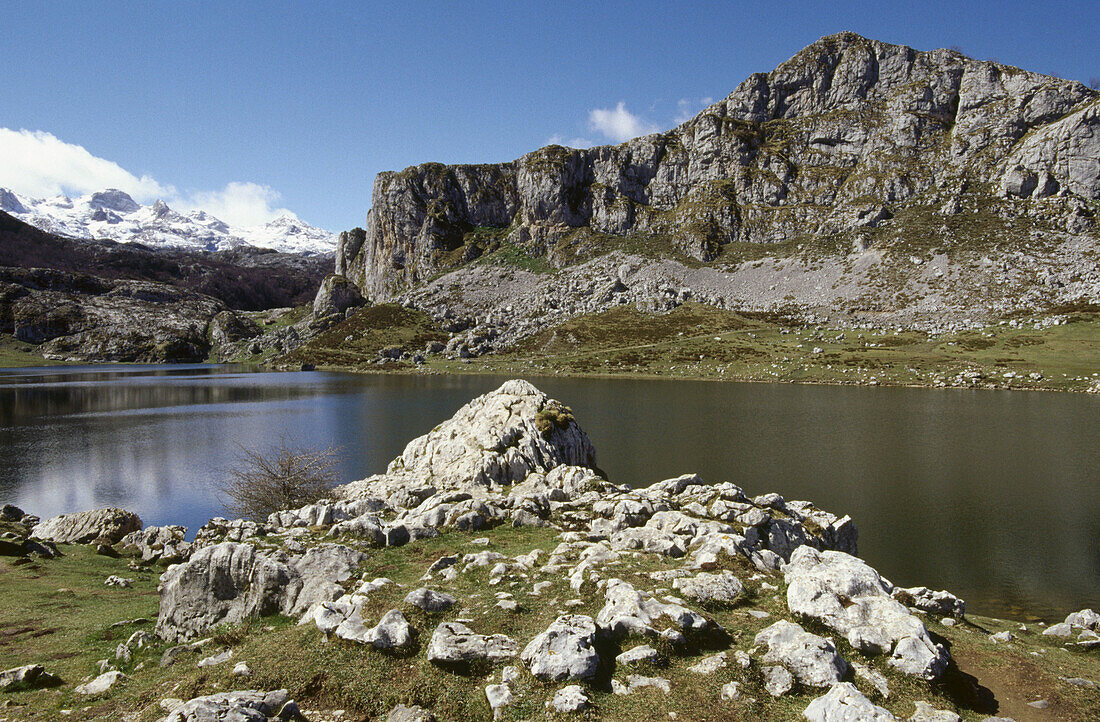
[113, 199]
[113, 214]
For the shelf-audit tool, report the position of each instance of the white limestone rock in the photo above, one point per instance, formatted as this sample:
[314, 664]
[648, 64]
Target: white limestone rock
[849, 596]
[845, 703]
[629, 611]
[723, 587]
[455, 643]
[570, 700]
[813, 660]
[565, 651]
[100, 684]
[84, 527]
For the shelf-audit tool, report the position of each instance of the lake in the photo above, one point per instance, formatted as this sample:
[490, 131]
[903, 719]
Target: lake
[993, 495]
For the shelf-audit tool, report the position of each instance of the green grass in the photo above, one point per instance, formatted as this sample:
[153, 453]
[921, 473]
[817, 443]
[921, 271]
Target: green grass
[357, 340]
[696, 341]
[58, 613]
[16, 354]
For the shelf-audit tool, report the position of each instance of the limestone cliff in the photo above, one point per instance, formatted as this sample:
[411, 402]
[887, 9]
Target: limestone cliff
[839, 139]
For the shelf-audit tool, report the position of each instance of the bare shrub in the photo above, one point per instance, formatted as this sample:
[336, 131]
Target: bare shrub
[284, 477]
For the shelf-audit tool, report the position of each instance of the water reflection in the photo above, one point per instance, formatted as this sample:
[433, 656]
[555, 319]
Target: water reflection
[989, 494]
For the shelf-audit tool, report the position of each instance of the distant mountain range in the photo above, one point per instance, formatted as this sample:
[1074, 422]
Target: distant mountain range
[113, 214]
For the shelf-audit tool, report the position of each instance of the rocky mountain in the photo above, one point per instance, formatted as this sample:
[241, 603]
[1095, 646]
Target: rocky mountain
[858, 177]
[92, 301]
[115, 215]
[244, 278]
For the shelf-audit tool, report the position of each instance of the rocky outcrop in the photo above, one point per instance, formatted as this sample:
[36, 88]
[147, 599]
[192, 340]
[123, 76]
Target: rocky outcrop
[496, 440]
[76, 317]
[565, 651]
[844, 136]
[335, 296]
[247, 704]
[453, 643]
[106, 526]
[845, 702]
[167, 544]
[849, 596]
[810, 659]
[229, 582]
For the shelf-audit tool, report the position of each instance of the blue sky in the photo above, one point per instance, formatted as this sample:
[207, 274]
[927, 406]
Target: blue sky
[252, 107]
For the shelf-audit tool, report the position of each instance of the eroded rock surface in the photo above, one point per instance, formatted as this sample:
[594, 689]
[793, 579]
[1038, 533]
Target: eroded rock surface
[849, 596]
[84, 527]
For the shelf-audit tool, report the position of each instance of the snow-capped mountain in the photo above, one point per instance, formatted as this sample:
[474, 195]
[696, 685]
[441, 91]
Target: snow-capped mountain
[115, 215]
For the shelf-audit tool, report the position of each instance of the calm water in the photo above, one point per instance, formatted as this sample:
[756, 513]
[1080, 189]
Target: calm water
[992, 495]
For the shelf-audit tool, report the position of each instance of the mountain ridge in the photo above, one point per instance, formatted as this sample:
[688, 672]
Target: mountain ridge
[850, 144]
[113, 214]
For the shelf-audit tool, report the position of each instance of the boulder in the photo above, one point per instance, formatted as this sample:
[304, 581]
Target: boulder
[335, 296]
[229, 582]
[847, 595]
[401, 713]
[84, 527]
[26, 677]
[100, 684]
[230, 326]
[812, 660]
[565, 651]
[940, 603]
[245, 705]
[455, 643]
[569, 700]
[843, 703]
[777, 680]
[722, 587]
[629, 611]
[429, 600]
[393, 631]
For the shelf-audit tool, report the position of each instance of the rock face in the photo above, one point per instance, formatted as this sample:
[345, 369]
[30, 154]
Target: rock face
[849, 596]
[229, 582]
[495, 440]
[82, 318]
[843, 136]
[84, 527]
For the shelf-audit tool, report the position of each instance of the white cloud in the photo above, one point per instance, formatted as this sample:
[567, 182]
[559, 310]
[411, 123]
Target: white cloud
[40, 165]
[238, 204]
[688, 108]
[619, 124]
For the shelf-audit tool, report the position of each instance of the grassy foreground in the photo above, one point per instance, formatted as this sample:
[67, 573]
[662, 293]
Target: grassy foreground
[1059, 351]
[59, 613]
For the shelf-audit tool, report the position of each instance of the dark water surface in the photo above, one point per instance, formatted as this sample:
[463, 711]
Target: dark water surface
[994, 495]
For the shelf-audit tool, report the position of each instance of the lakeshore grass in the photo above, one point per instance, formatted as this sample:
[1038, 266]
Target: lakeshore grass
[694, 341]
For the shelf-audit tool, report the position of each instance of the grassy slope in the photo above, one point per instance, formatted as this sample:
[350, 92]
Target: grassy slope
[696, 341]
[16, 354]
[59, 613]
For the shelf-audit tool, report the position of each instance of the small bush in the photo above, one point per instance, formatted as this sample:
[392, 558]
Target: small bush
[286, 477]
[553, 415]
